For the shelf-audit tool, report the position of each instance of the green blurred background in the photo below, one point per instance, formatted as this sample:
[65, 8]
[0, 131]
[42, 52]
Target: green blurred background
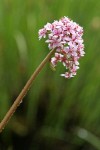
[57, 113]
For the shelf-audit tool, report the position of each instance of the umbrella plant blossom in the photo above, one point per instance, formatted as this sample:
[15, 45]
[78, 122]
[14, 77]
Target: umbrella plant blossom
[64, 39]
[65, 36]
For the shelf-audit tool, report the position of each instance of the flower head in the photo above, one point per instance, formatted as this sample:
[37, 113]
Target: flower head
[65, 36]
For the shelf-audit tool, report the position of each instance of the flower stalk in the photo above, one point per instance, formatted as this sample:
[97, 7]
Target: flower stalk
[64, 38]
[24, 91]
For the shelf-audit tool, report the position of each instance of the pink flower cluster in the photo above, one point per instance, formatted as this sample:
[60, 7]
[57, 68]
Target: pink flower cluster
[65, 36]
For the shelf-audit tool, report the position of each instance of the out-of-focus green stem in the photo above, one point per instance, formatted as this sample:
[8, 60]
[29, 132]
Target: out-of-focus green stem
[24, 91]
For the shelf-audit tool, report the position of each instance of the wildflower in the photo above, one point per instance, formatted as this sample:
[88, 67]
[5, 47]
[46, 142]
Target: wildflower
[65, 36]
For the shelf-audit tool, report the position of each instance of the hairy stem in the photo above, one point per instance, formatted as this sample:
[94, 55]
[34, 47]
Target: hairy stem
[24, 92]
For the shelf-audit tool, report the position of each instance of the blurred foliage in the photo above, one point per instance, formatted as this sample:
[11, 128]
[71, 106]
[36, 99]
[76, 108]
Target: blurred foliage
[56, 114]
